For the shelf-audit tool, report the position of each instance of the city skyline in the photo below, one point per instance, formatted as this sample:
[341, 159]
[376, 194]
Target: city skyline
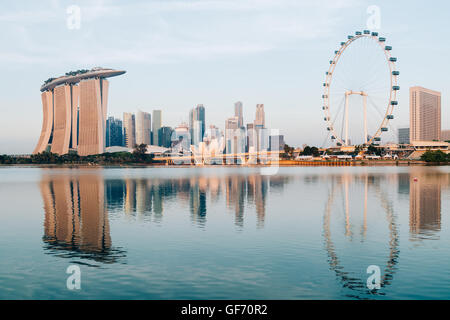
[289, 84]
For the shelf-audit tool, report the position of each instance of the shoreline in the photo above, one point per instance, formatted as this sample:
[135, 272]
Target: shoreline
[283, 163]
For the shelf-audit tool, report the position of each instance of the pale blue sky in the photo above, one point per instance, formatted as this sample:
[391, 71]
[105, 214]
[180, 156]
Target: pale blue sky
[179, 53]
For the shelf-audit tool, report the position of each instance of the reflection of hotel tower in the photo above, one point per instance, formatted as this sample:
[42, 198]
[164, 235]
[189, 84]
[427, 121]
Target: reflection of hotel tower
[74, 108]
[425, 204]
[75, 214]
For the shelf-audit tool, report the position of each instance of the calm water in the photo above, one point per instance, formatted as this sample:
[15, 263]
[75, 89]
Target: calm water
[225, 233]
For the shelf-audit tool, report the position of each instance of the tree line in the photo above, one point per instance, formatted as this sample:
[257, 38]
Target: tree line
[138, 155]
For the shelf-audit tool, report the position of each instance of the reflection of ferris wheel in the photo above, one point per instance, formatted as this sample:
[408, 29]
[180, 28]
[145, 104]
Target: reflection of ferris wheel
[348, 279]
[360, 89]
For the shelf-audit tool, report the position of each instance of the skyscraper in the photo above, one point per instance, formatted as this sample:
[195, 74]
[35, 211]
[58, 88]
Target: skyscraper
[143, 128]
[260, 116]
[165, 137]
[231, 126]
[74, 109]
[156, 125]
[238, 113]
[129, 129]
[197, 124]
[114, 132]
[424, 114]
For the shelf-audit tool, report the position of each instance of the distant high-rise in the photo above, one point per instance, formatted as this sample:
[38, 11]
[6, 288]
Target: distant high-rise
[156, 125]
[129, 130]
[181, 138]
[276, 142]
[238, 113]
[424, 114]
[403, 136]
[74, 107]
[231, 126]
[165, 137]
[197, 124]
[260, 116]
[251, 137]
[143, 128]
[114, 132]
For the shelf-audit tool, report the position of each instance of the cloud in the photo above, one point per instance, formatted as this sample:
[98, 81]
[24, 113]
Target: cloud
[166, 31]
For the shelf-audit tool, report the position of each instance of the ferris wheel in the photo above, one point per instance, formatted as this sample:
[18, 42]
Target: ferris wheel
[360, 90]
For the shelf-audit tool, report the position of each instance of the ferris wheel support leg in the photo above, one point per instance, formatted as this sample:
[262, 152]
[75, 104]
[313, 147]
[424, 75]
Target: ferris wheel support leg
[346, 119]
[365, 119]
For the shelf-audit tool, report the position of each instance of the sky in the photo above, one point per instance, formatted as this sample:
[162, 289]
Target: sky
[180, 53]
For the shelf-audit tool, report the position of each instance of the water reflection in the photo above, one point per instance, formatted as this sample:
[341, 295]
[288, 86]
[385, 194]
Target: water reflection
[351, 195]
[425, 189]
[146, 197]
[76, 220]
[342, 190]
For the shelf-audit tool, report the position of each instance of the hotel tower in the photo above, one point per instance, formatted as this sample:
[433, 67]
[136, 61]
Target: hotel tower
[425, 114]
[74, 108]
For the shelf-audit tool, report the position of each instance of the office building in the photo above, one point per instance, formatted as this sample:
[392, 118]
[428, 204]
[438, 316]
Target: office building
[165, 137]
[156, 125]
[114, 132]
[74, 110]
[238, 112]
[260, 118]
[276, 143]
[143, 128]
[197, 124]
[424, 114]
[129, 130]
[403, 136]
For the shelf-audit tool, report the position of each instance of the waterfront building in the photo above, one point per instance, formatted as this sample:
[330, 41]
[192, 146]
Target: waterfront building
[424, 114]
[129, 130]
[156, 125]
[143, 128]
[403, 136]
[238, 112]
[114, 132]
[74, 110]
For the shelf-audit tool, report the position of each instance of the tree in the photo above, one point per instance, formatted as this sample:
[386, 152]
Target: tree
[435, 156]
[140, 153]
[288, 151]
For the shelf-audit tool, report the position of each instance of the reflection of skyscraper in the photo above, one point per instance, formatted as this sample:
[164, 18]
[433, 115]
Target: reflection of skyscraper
[197, 203]
[425, 205]
[143, 197]
[130, 196]
[76, 218]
